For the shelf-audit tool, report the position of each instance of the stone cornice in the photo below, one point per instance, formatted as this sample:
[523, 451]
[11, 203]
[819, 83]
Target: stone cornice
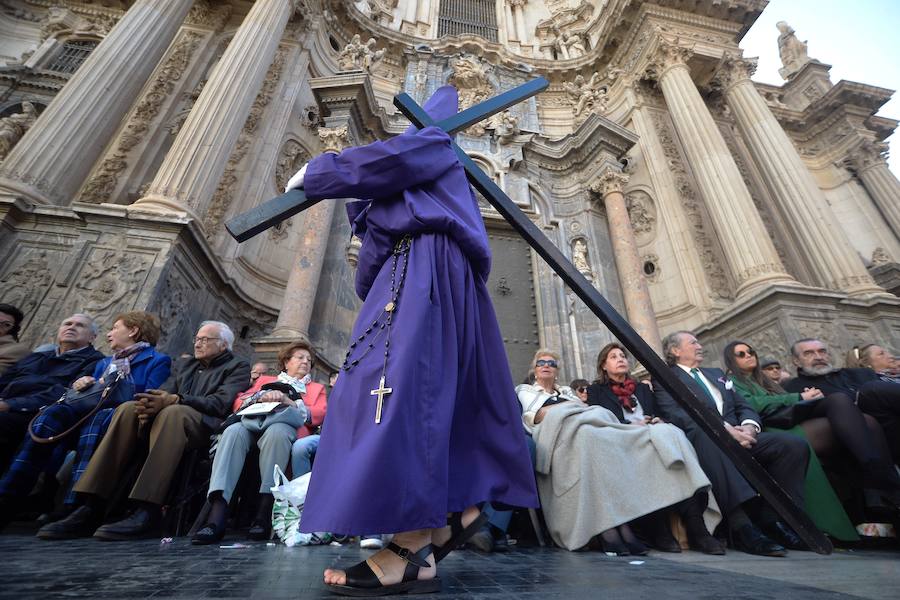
[354, 90]
[596, 135]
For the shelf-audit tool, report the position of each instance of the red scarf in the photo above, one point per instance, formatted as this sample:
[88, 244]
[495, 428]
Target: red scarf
[624, 392]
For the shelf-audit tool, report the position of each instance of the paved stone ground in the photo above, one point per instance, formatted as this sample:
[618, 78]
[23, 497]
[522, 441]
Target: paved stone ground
[92, 569]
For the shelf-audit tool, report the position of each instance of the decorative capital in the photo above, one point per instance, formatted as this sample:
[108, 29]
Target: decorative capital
[868, 154]
[608, 182]
[733, 70]
[668, 54]
[334, 139]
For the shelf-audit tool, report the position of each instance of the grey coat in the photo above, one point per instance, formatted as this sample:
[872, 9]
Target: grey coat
[595, 473]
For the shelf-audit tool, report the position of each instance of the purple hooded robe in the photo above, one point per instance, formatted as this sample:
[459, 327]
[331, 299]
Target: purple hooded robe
[450, 434]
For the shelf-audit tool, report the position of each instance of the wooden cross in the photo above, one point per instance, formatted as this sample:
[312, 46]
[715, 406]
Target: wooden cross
[272, 212]
[381, 391]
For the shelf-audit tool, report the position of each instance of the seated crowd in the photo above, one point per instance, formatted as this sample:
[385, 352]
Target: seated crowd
[618, 462]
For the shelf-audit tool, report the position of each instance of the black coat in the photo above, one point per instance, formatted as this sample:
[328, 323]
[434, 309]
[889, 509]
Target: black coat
[847, 381]
[41, 378]
[210, 389]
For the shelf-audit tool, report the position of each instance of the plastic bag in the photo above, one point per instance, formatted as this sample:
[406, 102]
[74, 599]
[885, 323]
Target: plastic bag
[289, 498]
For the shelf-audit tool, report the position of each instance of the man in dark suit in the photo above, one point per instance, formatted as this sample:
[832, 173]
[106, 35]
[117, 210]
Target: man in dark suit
[783, 455]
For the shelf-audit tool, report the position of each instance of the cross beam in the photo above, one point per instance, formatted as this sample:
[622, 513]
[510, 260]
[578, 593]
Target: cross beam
[245, 226]
[271, 213]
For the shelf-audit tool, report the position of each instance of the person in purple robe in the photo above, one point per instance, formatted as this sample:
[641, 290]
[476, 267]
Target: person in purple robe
[423, 421]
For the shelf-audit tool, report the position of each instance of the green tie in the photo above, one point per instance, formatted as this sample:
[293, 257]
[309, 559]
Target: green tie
[695, 373]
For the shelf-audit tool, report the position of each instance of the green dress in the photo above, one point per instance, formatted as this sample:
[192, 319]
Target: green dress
[822, 504]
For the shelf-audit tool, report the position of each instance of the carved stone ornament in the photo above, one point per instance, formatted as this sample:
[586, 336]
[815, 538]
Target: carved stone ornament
[586, 96]
[608, 182]
[505, 126]
[334, 139]
[880, 257]
[291, 157]
[205, 15]
[668, 54]
[26, 281]
[68, 20]
[868, 154]
[109, 282]
[382, 11]
[641, 213]
[359, 56]
[580, 257]
[470, 78]
[650, 267]
[13, 127]
[733, 70]
[102, 184]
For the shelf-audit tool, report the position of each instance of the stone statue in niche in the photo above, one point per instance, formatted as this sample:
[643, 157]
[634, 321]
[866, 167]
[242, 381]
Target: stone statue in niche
[793, 52]
[13, 127]
[506, 127]
[586, 95]
[470, 78]
[357, 55]
[580, 256]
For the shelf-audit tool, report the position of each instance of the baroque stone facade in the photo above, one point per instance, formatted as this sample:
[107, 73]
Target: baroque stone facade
[689, 195]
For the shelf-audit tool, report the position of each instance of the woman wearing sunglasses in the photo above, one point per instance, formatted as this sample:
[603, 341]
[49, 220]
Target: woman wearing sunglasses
[595, 474]
[831, 424]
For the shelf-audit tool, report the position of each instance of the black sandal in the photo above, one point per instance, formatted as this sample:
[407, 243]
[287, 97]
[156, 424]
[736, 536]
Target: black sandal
[362, 581]
[208, 534]
[459, 535]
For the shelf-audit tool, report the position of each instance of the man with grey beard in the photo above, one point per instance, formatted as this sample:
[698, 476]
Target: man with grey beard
[875, 397]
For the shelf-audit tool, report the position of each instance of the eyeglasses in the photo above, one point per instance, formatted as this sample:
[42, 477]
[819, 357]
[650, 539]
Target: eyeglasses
[581, 390]
[546, 363]
[205, 340]
[742, 354]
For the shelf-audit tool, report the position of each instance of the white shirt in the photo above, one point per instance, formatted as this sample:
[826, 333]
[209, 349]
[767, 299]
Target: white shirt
[716, 394]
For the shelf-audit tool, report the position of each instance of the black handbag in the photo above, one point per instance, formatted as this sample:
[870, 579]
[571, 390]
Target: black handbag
[789, 415]
[87, 403]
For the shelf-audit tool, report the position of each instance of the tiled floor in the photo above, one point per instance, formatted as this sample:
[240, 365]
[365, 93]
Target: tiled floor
[141, 569]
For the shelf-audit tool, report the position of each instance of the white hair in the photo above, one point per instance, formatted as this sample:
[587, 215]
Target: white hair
[94, 329]
[224, 331]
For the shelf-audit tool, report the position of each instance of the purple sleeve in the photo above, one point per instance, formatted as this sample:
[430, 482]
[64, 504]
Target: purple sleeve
[380, 169]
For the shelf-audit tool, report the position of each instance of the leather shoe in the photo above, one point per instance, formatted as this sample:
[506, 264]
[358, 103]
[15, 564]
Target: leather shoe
[706, 544]
[664, 541]
[784, 535]
[81, 523]
[140, 523]
[751, 540]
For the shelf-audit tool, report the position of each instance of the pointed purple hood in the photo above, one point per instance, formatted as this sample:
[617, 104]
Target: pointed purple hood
[444, 103]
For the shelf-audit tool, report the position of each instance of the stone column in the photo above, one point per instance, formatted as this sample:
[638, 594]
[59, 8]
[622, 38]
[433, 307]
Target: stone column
[410, 10]
[879, 181]
[803, 205]
[190, 173]
[303, 281]
[745, 241]
[628, 261]
[518, 7]
[52, 160]
[510, 22]
[424, 11]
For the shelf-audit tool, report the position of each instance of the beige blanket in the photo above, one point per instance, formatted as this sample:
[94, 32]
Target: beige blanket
[594, 473]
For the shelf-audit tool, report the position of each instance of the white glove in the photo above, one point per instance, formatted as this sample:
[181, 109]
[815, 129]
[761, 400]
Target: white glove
[296, 182]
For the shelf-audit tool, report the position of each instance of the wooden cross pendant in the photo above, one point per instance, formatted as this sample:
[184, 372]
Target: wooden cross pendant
[381, 392]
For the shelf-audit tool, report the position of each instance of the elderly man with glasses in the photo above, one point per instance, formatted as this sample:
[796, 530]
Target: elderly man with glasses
[181, 415]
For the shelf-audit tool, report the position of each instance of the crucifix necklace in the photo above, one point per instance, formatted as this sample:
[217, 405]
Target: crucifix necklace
[382, 324]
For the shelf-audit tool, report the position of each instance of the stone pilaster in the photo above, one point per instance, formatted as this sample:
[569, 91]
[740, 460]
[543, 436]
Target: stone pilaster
[750, 253]
[803, 205]
[52, 160]
[879, 181]
[190, 173]
[638, 306]
[303, 281]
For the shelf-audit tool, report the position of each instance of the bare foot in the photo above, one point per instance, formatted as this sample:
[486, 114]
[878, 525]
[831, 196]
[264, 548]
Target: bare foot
[439, 537]
[389, 567]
